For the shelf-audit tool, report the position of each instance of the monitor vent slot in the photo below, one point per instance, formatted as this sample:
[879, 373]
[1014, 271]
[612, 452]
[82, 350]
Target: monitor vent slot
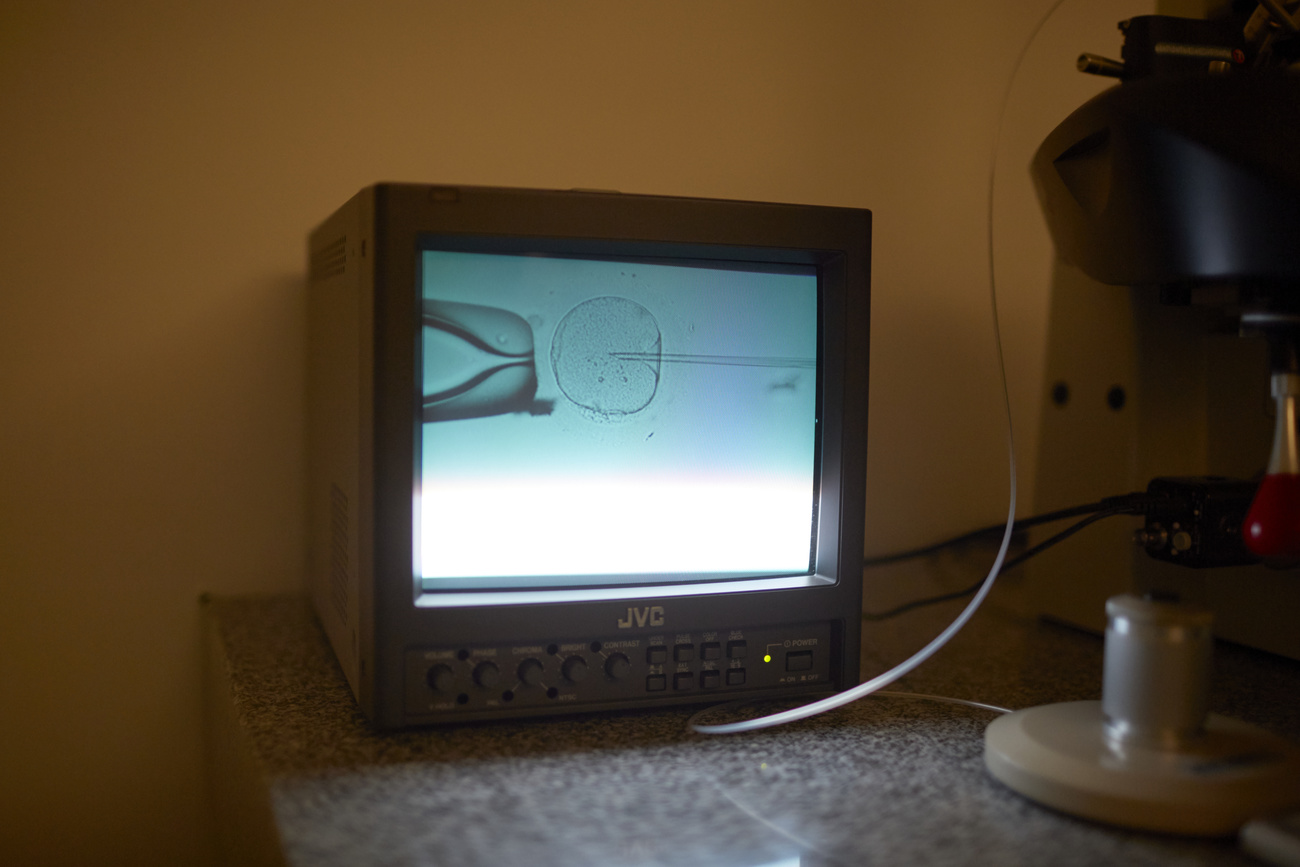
[339, 551]
[330, 260]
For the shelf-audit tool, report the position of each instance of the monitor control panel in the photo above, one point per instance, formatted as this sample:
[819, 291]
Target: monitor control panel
[557, 675]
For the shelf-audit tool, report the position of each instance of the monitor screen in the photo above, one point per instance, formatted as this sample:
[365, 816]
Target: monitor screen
[591, 421]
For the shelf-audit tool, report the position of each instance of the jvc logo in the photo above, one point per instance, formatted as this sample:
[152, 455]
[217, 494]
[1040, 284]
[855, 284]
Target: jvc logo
[652, 615]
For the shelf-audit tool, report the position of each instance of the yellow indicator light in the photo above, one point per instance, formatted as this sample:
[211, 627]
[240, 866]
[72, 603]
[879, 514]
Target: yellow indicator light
[767, 657]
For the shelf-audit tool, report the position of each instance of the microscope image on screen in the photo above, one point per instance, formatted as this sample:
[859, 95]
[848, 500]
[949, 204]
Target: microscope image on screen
[609, 419]
[479, 361]
[606, 356]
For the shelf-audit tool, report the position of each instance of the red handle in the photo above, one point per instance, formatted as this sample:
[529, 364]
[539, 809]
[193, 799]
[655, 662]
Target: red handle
[1272, 528]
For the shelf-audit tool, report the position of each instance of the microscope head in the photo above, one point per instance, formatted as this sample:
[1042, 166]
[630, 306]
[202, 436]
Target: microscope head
[1185, 177]
[1186, 183]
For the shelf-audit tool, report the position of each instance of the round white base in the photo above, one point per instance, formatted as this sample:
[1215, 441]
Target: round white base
[1059, 755]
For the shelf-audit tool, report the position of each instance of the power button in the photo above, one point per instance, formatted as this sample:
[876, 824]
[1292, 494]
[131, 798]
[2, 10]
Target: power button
[799, 660]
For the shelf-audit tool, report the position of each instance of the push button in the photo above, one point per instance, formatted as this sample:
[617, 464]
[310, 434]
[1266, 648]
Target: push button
[710, 650]
[656, 683]
[710, 679]
[799, 660]
[683, 680]
[684, 652]
[657, 655]
[735, 677]
[736, 649]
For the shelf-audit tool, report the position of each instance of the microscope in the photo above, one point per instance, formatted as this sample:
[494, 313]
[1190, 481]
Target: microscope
[1173, 199]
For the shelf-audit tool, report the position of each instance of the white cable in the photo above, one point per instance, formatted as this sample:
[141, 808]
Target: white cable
[880, 693]
[882, 680]
[943, 699]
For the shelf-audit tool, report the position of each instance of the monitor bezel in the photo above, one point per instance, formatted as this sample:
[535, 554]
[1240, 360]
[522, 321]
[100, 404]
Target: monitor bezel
[610, 225]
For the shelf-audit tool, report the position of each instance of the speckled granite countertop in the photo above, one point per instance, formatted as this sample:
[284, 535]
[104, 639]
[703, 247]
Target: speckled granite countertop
[299, 778]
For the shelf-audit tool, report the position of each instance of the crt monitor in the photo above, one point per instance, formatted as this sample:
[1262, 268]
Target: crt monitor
[576, 451]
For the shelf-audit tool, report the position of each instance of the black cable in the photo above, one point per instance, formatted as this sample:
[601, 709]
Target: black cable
[1124, 500]
[1135, 507]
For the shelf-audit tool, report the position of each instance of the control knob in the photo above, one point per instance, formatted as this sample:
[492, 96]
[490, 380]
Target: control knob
[530, 672]
[441, 678]
[574, 669]
[617, 666]
[486, 674]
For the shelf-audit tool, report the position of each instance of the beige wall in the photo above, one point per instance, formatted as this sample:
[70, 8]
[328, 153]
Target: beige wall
[160, 164]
